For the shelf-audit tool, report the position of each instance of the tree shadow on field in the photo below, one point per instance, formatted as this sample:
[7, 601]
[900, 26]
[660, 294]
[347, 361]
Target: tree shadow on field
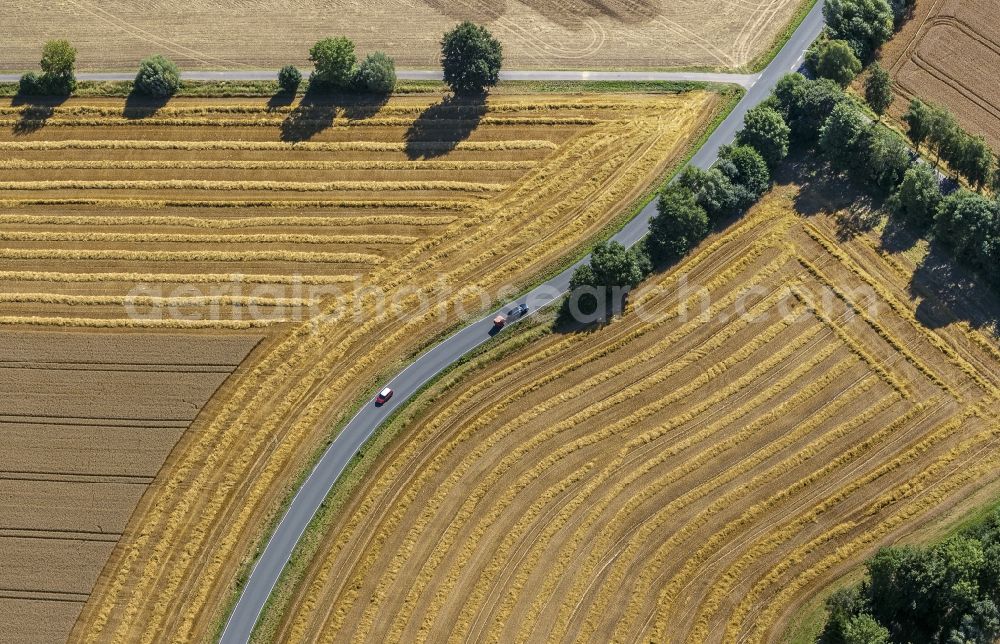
[441, 127]
[318, 110]
[36, 112]
[949, 292]
[280, 99]
[140, 106]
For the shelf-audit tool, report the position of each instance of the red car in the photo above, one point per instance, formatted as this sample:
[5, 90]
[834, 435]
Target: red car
[383, 396]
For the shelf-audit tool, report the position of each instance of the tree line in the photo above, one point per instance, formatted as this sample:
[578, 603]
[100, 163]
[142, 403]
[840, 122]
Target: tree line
[471, 58]
[946, 593]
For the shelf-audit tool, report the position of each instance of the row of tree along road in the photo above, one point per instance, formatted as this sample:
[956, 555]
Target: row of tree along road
[470, 59]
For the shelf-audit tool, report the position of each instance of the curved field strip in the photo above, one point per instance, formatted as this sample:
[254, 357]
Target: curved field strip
[666, 478]
[265, 424]
[219, 223]
[243, 186]
[176, 238]
[275, 146]
[172, 278]
[277, 204]
[235, 164]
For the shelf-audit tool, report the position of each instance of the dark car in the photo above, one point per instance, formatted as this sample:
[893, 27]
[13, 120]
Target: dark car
[518, 311]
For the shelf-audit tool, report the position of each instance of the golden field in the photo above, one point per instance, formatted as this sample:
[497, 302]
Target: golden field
[759, 420]
[143, 232]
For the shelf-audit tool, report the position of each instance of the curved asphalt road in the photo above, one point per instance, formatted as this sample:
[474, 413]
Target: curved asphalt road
[315, 489]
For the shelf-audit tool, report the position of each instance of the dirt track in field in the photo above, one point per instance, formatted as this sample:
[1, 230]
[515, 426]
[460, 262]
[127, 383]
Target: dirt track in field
[670, 477]
[123, 219]
[941, 54]
[579, 34]
[88, 421]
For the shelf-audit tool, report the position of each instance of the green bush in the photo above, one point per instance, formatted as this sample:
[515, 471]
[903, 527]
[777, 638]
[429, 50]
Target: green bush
[918, 196]
[158, 77]
[333, 60]
[58, 77]
[471, 59]
[765, 130]
[833, 59]
[865, 24]
[376, 74]
[878, 89]
[289, 78]
[679, 224]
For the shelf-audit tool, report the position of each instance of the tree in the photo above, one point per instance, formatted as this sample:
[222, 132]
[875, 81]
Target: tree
[964, 221]
[878, 89]
[289, 78]
[58, 59]
[865, 24]
[614, 265]
[844, 138]
[765, 130]
[918, 120]
[787, 93]
[918, 196]
[944, 134]
[583, 278]
[887, 158]
[679, 224]
[902, 10]
[471, 58]
[157, 77]
[863, 629]
[815, 103]
[333, 61]
[976, 161]
[376, 74]
[57, 77]
[747, 170]
[833, 59]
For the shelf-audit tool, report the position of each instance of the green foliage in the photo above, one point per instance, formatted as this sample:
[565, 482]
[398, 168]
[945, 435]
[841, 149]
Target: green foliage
[58, 76]
[471, 58]
[713, 191]
[833, 59]
[747, 170]
[945, 593]
[865, 24]
[918, 196]
[975, 161]
[158, 77]
[967, 223]
[918, 119]
[765, 130]
[333, 61]
[945, 134]
[376, 74]
[678, 226]
[289, 78]
[845, 138]
[887, 158]
[615, 265]
[878, 89]
[863, 629]
[902, 10]
[810, 103]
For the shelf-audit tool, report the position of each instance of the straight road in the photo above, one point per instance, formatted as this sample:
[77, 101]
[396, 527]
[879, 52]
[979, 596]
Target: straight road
[310, 496]
[745, 80]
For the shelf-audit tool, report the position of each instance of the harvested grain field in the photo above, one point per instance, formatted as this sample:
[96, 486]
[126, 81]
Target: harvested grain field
[88, 420]
[760, 419]
[547, 34]
[940, 56]
[222, 217]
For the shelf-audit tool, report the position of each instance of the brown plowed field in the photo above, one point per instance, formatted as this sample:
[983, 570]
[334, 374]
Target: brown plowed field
[547, 34]
[208, 217]
[671, 476]
[87, 422]
[942, 55]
